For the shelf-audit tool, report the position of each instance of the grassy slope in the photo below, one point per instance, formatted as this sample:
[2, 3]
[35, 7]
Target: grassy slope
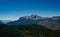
[27, 31]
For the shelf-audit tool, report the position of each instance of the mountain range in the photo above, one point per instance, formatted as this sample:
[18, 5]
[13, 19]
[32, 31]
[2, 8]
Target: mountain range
[52, 22]
[6, 21]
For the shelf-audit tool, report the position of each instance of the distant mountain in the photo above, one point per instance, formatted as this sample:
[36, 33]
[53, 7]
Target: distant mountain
[1, 25]
[1, 22]
[51, 23]
[33, 19]
[6, 21]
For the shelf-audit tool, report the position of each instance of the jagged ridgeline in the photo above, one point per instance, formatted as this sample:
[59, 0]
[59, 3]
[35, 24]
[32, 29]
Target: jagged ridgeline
[51, 23]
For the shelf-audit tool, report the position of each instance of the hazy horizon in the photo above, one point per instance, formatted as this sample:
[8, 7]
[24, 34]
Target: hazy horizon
[14, 9]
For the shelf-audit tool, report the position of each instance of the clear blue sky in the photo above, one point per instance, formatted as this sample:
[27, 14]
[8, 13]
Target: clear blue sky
[13, 9]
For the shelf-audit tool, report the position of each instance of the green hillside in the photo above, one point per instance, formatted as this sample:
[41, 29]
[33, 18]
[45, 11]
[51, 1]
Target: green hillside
[27, 31]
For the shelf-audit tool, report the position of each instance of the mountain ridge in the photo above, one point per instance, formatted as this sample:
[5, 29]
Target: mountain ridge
[51, 23]
[1, 22]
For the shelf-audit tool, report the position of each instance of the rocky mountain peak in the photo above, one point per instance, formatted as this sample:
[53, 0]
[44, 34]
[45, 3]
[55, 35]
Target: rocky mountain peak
[34, 16]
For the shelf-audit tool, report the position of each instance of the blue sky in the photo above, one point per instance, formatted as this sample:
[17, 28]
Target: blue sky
[14, 9]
